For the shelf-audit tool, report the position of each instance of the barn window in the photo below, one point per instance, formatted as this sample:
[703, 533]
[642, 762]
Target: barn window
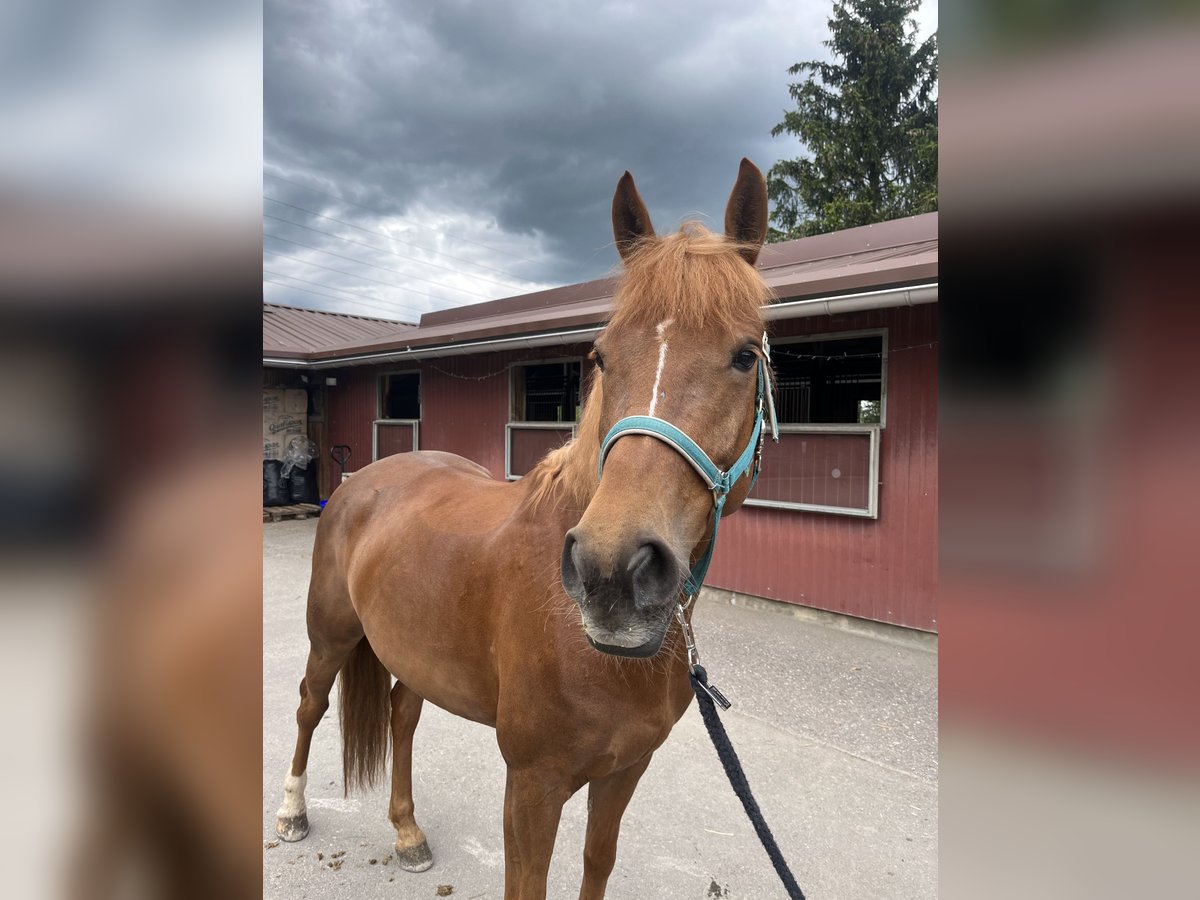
[543, 410]
[545, 392]
[400, 395]
[830, 380]
[396, 429]
[831, 401]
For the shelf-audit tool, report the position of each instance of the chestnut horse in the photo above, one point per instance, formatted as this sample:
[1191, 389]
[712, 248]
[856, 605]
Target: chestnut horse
[491, 599]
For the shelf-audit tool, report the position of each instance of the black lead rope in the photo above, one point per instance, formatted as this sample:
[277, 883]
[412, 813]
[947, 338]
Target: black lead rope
[706, 698]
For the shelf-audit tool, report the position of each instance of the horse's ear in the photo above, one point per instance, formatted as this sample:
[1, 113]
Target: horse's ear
[746, 214]
[631, 221]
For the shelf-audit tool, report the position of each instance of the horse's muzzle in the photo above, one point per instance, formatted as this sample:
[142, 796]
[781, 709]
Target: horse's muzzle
[625, 598]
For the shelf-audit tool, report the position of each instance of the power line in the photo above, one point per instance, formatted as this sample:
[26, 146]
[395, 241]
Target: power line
[378, 249]
[307, 291]
[363, 262]
[347, 295]
[381, 307]
[390, 313]
[344, 298]
[380, 212]
[400, 287]
[382, 233]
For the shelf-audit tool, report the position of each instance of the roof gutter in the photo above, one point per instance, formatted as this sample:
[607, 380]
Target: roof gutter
[441, 350]
[887, 298]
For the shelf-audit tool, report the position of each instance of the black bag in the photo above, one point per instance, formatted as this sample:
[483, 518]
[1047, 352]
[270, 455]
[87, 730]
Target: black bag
[303, 483]
[275, 491]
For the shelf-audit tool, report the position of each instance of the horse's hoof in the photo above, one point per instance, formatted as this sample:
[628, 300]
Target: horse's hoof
[415, 859]
[292, 828]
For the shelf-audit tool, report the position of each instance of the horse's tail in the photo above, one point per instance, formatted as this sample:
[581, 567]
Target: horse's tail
[364, 687]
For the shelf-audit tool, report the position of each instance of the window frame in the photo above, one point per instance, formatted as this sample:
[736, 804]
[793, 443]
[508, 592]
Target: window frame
[874, 431]
[522, 424]
[781, 342]
[380, 380]
[872, 510]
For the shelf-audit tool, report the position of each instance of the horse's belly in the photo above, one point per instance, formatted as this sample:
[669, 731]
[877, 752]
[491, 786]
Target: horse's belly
[432, 635]
[454, 681]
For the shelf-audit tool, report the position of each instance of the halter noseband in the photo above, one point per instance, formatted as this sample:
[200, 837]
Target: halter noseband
[718, 481]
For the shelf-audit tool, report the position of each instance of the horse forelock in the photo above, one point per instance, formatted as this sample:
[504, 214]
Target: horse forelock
[695, 277]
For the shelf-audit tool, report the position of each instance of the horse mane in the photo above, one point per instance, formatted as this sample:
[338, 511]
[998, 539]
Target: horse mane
[569, 472]
[694, 276]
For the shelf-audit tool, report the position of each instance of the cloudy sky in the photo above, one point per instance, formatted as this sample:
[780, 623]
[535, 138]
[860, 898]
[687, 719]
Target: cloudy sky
[423, 155]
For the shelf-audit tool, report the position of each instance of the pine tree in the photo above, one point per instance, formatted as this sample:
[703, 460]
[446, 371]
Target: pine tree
[868, 123]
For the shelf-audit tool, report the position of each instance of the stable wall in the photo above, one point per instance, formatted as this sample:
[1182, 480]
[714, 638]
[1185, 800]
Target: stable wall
[883, 569]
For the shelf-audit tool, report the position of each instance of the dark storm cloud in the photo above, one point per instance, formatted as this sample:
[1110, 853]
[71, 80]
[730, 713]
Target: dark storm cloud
[521, 116]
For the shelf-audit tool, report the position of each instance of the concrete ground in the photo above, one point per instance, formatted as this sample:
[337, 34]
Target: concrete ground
[837, 732]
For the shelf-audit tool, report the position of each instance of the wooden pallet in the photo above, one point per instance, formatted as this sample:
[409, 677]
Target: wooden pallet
[297, 511]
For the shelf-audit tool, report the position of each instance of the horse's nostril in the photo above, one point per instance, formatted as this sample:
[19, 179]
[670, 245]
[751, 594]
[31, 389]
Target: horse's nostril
[644, 556]
[572, 578]
[654, 574]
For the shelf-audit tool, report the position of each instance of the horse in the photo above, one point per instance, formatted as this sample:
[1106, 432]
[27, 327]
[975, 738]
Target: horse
[548, 608]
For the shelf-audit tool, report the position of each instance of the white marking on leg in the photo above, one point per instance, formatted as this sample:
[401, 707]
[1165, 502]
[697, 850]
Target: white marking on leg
[293, 796]
[660, 330]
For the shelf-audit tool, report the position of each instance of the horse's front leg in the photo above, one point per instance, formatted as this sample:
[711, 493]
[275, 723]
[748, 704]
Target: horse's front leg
[607, 799]
[533, 802]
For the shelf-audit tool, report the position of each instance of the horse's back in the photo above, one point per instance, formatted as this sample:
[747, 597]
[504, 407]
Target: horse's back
[401, 467]
[386, 494]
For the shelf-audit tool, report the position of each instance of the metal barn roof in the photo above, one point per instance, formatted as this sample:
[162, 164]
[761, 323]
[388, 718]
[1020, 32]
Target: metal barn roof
[893, 254]
[293, 330]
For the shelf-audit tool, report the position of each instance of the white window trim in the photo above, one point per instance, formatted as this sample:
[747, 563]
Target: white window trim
[872, 510]
[416, 431]
[509, 427]
[781, 342]
[512, 423]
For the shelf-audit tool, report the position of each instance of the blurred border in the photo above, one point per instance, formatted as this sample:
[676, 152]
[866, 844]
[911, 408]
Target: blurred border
[130, 291]
[1070, 213]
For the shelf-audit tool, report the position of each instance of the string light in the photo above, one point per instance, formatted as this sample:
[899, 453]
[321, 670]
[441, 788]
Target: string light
[776, 351]
[438, 368]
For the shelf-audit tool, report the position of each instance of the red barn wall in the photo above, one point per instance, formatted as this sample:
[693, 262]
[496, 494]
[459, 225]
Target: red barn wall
[883, 569]
[464, 403]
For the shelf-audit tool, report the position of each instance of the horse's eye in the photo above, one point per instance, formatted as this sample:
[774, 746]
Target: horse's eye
[744, 360]
[598, 359]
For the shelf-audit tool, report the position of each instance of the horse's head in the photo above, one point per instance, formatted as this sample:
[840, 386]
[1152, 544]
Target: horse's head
[683, 345]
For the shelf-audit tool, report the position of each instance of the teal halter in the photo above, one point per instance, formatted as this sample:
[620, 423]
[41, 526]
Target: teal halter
[717, 481]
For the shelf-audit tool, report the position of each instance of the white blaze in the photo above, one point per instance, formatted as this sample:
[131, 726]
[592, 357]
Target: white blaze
[660, 330]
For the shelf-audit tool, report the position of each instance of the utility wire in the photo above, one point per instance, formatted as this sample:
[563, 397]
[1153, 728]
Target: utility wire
[399, 218]
[363, 262]
[347, 295]
[308, 291]
[382, 233]
[379, 249]
[391, 313]
[389, 284]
